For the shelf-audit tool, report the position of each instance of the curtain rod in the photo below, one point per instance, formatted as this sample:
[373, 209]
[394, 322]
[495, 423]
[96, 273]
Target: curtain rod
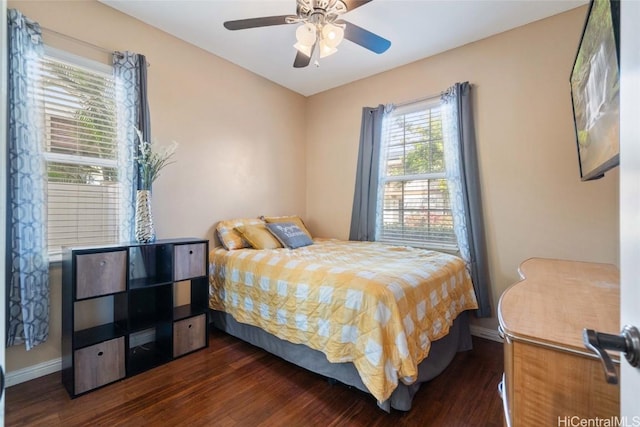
[91, 45]
[73, 39]
[413, 101]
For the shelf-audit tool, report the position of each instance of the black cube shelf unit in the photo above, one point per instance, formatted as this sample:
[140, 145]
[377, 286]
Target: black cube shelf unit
[119, 309]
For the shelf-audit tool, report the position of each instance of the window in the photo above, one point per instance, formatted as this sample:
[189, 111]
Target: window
[81, 151]
[414, 206]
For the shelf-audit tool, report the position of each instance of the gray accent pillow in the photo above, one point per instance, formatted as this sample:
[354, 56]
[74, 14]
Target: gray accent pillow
[289, 234]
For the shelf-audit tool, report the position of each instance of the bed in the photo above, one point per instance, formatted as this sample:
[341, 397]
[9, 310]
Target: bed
[381, 318]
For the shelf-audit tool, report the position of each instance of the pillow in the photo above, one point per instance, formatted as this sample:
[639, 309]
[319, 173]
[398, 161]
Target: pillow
[289, 234]
[292, 218]
[229, 237]
[258, 236]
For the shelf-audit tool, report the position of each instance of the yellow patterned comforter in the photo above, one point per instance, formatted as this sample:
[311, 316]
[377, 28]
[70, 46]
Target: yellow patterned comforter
[375, 305]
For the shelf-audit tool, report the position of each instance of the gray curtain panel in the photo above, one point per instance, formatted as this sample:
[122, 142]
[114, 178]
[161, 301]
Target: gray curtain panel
[363, 215]
[27, 252]
[466, 199]
[130, 70]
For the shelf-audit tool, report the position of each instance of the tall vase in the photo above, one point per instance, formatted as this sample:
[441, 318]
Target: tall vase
[145, 233]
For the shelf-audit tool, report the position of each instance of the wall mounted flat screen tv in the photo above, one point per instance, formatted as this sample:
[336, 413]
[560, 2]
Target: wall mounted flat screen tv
[595, 90]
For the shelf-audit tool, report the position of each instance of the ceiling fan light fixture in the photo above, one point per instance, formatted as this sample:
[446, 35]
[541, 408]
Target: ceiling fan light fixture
[332, 35]
[326, 49]
[306, 34]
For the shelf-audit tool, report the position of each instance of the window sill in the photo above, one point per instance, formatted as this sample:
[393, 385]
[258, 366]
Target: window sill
[55, 259]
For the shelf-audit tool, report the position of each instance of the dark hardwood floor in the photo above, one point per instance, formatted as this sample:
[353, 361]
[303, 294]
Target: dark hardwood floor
[235, 384]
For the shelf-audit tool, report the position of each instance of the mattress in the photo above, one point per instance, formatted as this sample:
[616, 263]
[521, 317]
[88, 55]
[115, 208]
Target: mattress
[376, 306]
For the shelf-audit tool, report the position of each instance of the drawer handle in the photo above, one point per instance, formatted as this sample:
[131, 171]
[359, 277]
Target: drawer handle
[189, 325]
[100, 353]
[103, 263]
[190, 252]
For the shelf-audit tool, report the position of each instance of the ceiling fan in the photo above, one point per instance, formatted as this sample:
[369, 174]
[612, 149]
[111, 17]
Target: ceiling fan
[321, 28]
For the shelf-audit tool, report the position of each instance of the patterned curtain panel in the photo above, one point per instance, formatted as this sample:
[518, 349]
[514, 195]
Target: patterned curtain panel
[463, 176]
[27, 257]
[133, 113]
[363, 215]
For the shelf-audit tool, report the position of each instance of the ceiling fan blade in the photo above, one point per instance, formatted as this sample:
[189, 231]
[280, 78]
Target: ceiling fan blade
[301, 60]
[365, 38]
[266, 21]
[352, 4]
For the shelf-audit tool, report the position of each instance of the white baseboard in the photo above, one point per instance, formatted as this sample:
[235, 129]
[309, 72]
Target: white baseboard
[55, 365]
[33, 372]
[482, 332]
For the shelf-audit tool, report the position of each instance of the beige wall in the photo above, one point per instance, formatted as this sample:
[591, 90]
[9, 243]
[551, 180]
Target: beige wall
[534, 202]
[241, 137]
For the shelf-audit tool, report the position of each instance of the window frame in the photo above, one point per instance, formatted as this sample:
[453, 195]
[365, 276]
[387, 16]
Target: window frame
[93, 66]
[384, 178]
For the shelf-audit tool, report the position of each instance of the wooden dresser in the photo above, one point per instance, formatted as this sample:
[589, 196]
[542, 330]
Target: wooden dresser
[550, 376]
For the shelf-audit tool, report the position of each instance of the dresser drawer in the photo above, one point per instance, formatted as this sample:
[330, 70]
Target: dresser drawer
[101, 273]
[189, 335]
[189, 261]
[99, 364]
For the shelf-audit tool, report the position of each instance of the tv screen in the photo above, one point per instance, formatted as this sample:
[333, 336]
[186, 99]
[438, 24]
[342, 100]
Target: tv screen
[595, 90]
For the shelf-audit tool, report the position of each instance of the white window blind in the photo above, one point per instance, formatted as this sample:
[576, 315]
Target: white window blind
[414, 205]
[81, 153]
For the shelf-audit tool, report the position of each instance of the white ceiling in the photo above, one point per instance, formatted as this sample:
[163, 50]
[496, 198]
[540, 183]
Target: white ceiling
[416, 29]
